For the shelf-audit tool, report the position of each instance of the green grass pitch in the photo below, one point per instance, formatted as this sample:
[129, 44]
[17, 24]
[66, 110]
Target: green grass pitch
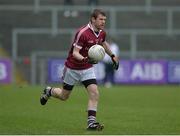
[124, 110]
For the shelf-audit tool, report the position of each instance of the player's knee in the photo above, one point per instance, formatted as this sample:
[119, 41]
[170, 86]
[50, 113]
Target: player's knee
[65, 95]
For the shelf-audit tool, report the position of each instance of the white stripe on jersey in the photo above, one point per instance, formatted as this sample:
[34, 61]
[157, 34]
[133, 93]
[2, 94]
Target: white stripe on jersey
[79, 35]
[75, 45]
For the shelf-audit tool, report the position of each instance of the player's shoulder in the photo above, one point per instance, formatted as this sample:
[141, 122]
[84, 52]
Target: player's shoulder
[104, 32]
[83, 29]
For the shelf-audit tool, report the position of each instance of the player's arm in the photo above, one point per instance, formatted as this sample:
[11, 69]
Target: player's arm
[114, 58]
[79, 57]
[107, 49]
[76, 54]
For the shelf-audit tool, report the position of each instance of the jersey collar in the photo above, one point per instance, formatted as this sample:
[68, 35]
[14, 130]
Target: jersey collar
[91, 27]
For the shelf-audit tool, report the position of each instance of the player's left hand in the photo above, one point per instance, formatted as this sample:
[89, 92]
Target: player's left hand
[115, 61]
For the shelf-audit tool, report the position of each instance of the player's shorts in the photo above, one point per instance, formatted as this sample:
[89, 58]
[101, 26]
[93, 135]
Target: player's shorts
[71, 76]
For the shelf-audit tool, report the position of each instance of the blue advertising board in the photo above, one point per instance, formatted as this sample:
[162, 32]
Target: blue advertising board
[129, 72]
[174, 72]
[5, 71]
[142, 71]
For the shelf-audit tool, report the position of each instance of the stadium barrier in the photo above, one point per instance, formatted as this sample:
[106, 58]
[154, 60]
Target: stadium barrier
[5, 71]
[130, 71]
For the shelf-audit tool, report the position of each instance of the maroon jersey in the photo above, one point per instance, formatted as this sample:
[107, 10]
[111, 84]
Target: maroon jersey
[84, 39]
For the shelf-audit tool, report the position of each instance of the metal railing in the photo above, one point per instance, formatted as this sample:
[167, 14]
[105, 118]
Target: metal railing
[54, 30]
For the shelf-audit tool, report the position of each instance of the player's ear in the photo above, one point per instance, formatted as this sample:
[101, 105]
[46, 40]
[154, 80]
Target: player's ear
[93, 19]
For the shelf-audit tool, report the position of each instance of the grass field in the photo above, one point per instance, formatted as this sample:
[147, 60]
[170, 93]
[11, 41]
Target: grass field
[124, 110]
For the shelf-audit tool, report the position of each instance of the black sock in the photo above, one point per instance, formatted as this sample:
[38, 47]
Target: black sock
[50, 91]
[91, 116]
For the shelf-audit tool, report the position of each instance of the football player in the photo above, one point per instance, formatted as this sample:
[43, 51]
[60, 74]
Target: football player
[79, 67]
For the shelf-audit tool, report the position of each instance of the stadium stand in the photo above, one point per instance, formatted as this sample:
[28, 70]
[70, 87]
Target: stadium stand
[127, 23]
[101, 2]
[16, 2]
[165, 3]
[43, 42]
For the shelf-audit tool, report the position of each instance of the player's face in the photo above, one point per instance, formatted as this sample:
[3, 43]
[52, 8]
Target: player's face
[99, 22]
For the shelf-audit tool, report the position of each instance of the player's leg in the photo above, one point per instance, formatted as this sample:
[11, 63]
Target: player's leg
[88, 79]
[93, 95]
[62, 94]
[69, 80]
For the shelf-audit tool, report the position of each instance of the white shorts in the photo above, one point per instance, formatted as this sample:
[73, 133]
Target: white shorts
[71, 76]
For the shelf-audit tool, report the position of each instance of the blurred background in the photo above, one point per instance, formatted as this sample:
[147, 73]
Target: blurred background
[35, 36]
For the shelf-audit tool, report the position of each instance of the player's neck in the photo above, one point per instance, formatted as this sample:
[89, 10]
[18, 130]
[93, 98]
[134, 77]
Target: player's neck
[94, 28]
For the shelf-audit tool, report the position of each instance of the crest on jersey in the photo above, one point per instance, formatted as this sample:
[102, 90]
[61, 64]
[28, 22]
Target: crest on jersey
[90, 41]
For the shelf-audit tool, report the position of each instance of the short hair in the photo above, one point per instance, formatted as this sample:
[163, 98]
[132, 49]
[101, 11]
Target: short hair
[97, 12]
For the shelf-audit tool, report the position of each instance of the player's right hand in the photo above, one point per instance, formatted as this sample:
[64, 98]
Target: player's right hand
[89, 60]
